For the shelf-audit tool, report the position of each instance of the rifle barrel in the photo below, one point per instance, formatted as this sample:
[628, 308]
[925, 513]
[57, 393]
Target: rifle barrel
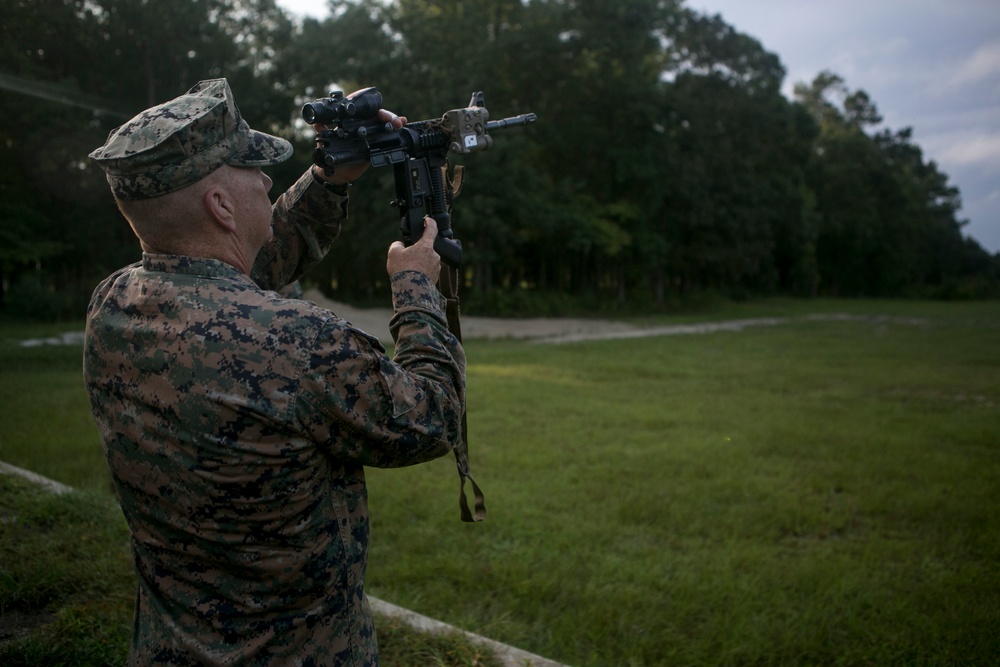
[523, 119]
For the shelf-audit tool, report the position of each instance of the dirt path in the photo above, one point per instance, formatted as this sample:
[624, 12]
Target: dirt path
[375, 321]
[542, 330]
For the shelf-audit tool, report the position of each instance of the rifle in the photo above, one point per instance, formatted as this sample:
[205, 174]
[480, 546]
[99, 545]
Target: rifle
[418, 153]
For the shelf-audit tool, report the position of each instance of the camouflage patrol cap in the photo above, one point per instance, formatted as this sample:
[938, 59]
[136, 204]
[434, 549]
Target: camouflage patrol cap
[179, 142]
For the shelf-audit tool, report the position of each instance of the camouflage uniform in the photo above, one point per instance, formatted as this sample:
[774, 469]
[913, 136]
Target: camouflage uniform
[236, 424]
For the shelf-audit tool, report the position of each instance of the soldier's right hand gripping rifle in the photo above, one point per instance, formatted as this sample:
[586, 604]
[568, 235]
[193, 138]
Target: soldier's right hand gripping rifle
[418, 153]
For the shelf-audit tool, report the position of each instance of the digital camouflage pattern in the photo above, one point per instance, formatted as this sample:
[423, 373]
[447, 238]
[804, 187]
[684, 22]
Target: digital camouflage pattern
[237, 424]
[179, 142]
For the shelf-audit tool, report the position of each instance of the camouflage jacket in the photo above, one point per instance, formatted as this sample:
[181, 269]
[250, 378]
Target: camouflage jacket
[237, 424]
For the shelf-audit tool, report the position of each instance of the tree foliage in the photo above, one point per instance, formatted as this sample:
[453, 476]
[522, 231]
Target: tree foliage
[666, 160]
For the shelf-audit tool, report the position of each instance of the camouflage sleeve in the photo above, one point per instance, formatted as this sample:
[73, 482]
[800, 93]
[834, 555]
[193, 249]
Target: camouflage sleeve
[306, 220]
[373, 410]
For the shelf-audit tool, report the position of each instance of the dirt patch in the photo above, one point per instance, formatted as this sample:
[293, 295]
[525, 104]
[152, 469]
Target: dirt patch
[551, 330]
[375, 321]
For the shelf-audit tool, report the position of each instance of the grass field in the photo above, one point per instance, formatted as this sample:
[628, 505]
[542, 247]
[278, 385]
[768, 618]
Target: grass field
[819, 492]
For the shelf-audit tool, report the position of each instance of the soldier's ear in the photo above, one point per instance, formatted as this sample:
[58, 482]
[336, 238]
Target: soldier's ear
[220, 206]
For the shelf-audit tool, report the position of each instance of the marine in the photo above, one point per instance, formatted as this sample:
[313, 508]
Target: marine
[237, 423]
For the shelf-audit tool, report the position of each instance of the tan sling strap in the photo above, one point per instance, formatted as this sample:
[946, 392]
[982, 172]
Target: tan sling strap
[449, 287]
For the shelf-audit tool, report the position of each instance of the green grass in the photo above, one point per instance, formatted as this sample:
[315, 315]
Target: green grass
[813, 493]
[819, 492]
[66, 583]
[47, 425]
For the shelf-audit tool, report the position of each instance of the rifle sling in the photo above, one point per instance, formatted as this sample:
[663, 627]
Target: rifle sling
[449, 287]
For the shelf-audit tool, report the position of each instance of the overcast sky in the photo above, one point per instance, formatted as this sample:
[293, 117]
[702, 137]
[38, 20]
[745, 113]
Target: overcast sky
[933, 65]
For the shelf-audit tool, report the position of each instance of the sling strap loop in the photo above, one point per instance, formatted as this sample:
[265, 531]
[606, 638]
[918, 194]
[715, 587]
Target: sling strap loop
[449, 287]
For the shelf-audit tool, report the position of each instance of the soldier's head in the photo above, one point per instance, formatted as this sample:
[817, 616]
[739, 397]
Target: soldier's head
[184, 159]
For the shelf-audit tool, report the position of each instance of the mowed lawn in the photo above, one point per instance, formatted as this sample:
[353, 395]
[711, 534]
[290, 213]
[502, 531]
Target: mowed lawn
[817, 492]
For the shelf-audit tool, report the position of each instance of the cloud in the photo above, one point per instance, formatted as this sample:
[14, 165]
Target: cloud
[973, 150]
[983, 64]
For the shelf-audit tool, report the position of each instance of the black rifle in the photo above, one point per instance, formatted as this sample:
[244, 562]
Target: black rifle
[417, 152]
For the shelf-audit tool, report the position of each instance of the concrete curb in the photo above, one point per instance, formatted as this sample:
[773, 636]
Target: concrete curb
[50, 484]
[508, 655]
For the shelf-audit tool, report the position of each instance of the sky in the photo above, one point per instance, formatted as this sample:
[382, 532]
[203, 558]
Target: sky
[930, 65]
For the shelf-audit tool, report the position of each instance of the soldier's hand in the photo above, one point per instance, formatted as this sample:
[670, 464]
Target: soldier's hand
[420, 256]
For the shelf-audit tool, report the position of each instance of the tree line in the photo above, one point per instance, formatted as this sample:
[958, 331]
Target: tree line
[666, 163]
